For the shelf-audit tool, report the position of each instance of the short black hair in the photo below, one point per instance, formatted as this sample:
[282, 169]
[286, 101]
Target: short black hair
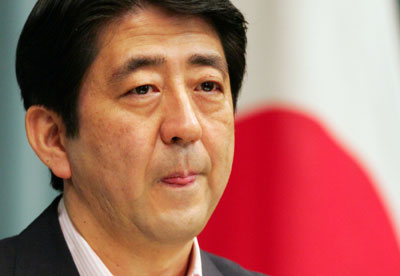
[58, 44]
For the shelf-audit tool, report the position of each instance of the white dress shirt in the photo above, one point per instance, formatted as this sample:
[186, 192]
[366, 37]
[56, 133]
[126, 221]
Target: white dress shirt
[86, 260]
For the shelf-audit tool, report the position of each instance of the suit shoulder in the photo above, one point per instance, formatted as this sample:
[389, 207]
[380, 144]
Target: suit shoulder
[8, 255]
[228, 267]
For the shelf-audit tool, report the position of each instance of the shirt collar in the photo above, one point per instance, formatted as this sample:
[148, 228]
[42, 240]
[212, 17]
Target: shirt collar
[86, 260]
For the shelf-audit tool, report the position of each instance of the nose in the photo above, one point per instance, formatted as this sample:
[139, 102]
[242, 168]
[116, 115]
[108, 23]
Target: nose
[180, 123]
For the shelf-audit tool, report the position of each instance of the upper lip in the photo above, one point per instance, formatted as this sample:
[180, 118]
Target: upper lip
[180, 175]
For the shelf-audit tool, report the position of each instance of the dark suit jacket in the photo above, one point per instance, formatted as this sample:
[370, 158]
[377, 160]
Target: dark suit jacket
[41, 250]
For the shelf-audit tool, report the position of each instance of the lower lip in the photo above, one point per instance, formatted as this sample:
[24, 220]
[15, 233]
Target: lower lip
[179, 181]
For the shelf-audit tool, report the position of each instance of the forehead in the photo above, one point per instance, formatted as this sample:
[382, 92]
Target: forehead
[153, 29]
[158, 18]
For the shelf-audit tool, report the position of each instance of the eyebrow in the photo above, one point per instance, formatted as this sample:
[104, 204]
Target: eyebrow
[135, 63]
[211, 60]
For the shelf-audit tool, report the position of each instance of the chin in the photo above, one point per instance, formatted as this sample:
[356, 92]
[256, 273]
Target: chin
[180, 228]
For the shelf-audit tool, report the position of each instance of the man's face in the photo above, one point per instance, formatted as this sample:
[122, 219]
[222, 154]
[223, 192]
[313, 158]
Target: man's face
[156, 137]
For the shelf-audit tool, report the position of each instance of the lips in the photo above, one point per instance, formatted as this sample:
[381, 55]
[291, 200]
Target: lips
[180, 179]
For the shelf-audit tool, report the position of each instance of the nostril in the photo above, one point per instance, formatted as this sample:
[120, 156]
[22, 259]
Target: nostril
[175, 139]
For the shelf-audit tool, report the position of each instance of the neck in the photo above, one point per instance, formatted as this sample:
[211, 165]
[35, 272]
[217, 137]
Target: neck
[163, 262]
[123, 253]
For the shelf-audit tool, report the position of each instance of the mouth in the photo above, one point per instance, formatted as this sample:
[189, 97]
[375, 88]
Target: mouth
[180, 179]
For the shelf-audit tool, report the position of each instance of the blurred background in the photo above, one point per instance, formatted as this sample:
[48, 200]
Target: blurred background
[315, 187]
[24, 188]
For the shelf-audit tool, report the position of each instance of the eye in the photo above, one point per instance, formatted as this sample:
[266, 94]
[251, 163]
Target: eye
[142, 90]
[209, 86]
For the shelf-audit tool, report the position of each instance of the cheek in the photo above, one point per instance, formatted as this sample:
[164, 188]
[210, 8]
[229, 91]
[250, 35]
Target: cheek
[113, 153]
[219, 141]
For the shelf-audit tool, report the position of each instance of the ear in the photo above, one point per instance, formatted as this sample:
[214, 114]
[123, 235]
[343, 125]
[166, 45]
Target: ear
[47, 136]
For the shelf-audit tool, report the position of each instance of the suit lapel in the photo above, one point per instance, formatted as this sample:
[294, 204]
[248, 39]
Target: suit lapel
[42, 249]
[207, 266]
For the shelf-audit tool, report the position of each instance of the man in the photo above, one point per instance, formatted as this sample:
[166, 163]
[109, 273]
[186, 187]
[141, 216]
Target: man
[130, 104]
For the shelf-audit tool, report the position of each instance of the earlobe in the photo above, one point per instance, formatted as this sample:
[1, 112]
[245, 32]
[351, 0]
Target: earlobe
[46, 135]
